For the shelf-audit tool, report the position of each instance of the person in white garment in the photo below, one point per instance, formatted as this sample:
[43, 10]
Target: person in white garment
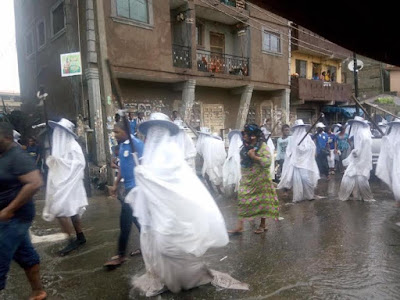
[271, 148]
[359, 163]
[212, 149]
[231, 171]
[66, 198]
[185, 143]
[388, 166]
[179, 219]
[300, 170]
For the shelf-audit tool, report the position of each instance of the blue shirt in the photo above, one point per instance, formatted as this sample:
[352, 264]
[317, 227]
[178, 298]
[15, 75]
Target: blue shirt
[126, 162]
[331, 141]
[321, 141]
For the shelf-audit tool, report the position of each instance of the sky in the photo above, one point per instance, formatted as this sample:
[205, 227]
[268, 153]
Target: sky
[9, 80]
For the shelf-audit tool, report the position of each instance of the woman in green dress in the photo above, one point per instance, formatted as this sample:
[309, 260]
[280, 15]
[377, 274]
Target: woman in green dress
[257, 195]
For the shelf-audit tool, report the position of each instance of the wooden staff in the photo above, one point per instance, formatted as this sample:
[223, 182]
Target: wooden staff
[381, 109]
[367, 114]
[311, 128]
[117, 91]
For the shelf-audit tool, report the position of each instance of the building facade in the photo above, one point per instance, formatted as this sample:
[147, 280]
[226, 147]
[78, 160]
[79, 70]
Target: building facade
[9, 102]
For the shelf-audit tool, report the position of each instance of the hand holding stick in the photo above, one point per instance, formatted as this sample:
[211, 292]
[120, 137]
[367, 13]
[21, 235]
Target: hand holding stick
[311, 128]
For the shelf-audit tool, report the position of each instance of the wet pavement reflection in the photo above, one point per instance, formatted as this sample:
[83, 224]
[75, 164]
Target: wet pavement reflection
[323, 249]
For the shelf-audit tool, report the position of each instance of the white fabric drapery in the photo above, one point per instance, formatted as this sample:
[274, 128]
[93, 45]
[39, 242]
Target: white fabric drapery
[185, 143]
[65, 191]
[300, 170]
[213, 152]
[232, 172]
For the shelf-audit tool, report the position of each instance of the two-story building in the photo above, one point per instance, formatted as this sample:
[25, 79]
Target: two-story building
[220, 63]
[312, 58]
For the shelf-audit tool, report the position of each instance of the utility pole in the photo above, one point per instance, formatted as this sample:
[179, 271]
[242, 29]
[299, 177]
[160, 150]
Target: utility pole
[355, 73]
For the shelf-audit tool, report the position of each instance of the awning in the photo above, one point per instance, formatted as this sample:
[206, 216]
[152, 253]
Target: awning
[346, 111]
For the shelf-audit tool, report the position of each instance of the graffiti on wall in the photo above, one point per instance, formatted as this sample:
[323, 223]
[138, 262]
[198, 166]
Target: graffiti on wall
[148, 107]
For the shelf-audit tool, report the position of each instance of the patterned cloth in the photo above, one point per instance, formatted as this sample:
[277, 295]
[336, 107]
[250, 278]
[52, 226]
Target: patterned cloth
[257, 195]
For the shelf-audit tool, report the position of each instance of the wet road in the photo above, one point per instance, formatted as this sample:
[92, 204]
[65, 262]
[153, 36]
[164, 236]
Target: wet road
[323, 249]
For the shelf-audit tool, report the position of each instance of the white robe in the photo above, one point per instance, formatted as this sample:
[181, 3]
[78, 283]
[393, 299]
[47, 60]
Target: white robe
[300, 170]
[214, 155]
[232, 172]
[65, 191]
[185, 143]
[179, 218]
[359, 165]
[388, 166]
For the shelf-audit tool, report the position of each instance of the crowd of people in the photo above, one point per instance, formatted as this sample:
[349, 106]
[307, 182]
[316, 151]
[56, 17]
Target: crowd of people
[174, 207]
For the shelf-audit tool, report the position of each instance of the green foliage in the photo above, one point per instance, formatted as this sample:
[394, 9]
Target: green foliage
[385, 100]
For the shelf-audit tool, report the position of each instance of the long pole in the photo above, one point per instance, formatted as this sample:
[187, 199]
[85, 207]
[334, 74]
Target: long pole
[381, 109]
[367, 114]
[311, 128]
[355, 73]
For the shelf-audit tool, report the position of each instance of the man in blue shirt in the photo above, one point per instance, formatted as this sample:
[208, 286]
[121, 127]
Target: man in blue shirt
[321, 141]
[127, 165]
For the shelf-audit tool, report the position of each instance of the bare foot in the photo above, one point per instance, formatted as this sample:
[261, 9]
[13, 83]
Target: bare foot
[236, 231]
[261, 230]
[38, 295]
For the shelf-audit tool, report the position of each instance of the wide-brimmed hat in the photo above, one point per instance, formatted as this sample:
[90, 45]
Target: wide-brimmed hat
[320, 125]
[394, 122]
[204, 130]
[233, 132]
[158, 119]
[65, 124]
[358, 120]
[216, 136]
[337, 125]
[299, 123]
[179, 123]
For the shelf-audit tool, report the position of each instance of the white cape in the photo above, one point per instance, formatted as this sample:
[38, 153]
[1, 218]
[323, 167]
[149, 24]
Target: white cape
[65, 191]
[185, 143]
[214, 155]
[232, 172]
[179, 218]
[388, 166]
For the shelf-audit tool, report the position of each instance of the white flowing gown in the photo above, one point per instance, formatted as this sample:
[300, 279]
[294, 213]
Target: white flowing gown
[65, 191]
[232, 172]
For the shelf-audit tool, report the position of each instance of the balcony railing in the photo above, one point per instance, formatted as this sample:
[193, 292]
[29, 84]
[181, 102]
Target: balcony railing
[235, 3]
[222, 63]
[182, 56]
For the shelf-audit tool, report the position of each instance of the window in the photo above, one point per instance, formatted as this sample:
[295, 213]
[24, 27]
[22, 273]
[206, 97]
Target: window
[29, 44]
[271, 42]
[306, 115]
[301, 68]
[332, 72]
[57, 18]
[137, 10]
[217, 42]
[199, 34]
[41, 34]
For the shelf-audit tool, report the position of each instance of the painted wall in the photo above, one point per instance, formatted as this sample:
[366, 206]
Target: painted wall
[310, 59]
[395, 81]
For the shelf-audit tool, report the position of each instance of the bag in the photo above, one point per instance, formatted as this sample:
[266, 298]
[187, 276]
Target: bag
[325, 151]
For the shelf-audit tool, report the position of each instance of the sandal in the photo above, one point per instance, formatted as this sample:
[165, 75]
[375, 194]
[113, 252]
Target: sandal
[41, 296]
[136, 252]
[235, 232]
[261, 230]
[115, 262]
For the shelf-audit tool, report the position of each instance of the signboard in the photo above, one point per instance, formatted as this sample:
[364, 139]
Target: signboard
[71, 64]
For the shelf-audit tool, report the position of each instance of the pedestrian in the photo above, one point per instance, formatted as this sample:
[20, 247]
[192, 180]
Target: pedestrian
[282, 144]
[66, 197]
[175, 116]
[321, 140]
[322, 76]
[186, 144]
[257, 196]
[300, 171]
[19, 181]
[359, 163]
[316, 77]
[328, 76]
[343, 147]
[34, 151]
[388, 166]
[332, 150]
[232, 169]
[180, 221]
[127, 165]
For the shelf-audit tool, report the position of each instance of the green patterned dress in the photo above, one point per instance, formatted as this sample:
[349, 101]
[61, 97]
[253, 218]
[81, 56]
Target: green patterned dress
[257, 195]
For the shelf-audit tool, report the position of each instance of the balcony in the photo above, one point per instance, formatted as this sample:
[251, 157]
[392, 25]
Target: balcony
[221, 63]
[235, 3]
[182, 56]
[303, 89]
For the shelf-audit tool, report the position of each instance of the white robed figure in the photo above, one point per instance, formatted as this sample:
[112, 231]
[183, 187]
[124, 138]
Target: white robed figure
[179, 219]
[271, 148]
[185, 143]
[388, 166]
[359, 163]
[300, 170]
[66, 197]
[232, 170]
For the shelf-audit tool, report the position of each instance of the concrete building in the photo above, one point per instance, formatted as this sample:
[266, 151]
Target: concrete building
[311, 56]
[220, 63]
[9, 102]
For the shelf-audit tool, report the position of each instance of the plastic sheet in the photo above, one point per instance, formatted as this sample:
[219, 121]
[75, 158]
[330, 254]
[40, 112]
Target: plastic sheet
[232, 170]
[214, 155]
[65, 191]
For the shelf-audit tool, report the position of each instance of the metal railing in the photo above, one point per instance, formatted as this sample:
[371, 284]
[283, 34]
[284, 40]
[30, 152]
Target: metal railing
[222, 63]
[182, 56]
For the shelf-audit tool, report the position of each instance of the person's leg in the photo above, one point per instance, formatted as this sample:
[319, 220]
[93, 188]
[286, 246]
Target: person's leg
[263, 226]
[76, 222]
[125, 222]
[346, 187]
[67, 227]
[9, 242]
[365, 189]
[239, 227]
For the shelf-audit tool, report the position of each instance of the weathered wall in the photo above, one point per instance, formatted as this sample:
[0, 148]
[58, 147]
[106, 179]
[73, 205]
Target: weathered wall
[395, 81]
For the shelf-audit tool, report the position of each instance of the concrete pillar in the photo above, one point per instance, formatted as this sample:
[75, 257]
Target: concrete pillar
[188, 96]
[245, 100]
[285, 104]
[96, 113]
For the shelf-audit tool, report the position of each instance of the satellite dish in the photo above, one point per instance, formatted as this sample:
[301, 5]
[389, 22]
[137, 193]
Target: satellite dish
[360, 65]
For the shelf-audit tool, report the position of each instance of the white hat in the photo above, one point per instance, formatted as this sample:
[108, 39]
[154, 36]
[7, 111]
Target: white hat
[233, 132]
[320, 125]
[16, 135]
[359, 120]
[64, 124]
[395, 122]
[298, 123]
[216, 136]
[179, 123]
[337, 125]
[204, 130]
[158, 119]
